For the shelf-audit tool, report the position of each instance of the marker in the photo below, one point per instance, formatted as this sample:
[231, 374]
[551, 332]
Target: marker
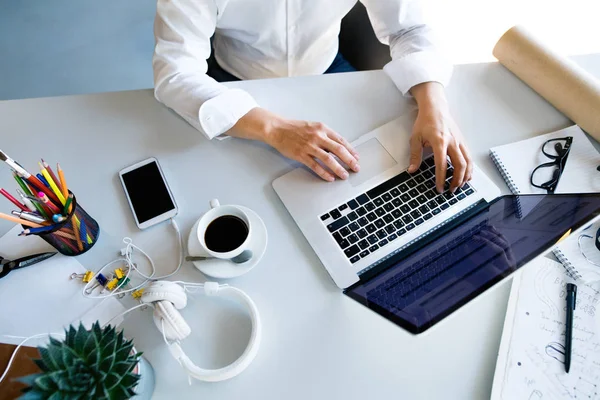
[571, 301]
[29, 216]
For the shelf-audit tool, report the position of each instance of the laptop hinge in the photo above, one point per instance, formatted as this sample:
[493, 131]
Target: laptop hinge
[433, 233]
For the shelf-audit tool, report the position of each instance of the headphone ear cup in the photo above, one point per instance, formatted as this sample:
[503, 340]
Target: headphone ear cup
[175, 327]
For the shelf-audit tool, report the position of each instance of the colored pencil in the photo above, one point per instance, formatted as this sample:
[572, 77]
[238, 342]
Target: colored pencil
[77, 237]
[19, 221]
[51, 206]
[52, 175]
[67, 208]
[63, 183]
[53, 186]
[65, 235]
[43, 180]
[39, 186]
[13, 200]
[83, 232]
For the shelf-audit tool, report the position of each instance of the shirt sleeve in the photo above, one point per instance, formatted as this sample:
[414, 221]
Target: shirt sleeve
[182, 30]
[415, 56]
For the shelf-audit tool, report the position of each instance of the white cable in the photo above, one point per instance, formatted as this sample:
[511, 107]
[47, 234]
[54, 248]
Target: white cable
[181, 252]
[14, 354]
[127, 312]
[132, 267]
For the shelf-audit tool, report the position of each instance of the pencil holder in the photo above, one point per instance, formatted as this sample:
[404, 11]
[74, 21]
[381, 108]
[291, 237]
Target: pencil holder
[76, 234]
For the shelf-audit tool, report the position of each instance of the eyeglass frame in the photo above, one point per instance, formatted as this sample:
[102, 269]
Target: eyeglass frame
[557, 160]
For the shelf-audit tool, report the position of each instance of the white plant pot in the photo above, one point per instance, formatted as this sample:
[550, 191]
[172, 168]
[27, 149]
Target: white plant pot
[145, 386]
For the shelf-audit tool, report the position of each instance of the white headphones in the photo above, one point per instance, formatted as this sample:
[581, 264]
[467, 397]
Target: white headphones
[168, 297]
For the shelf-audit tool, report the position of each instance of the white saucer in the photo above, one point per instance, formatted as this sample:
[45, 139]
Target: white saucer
[225, 269]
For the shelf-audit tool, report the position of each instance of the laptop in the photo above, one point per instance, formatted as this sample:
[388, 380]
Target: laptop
[392, 243]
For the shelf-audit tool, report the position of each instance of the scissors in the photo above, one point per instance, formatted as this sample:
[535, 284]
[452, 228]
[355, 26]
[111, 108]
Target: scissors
[8, 265]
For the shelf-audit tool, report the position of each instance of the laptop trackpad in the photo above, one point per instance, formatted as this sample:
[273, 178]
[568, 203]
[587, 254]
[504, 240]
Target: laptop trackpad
[374, 159]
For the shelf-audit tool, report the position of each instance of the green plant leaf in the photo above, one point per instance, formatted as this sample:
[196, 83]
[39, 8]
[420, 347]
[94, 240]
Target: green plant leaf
[49, 363]
[90, 346]
[56, 396]
[28, 380]
[120, 393]
[130, 380]
[80, 339]
[70, 336]
[112, 380]
[32, 395]
[48, 382]
[123, 367]
[41, 364]
[107, 363]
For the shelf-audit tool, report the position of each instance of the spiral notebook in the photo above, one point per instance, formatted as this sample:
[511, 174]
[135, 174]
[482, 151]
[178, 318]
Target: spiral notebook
[516, 161]
[530, 364]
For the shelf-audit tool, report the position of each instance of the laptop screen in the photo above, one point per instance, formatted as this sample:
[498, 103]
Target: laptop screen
[427, 282]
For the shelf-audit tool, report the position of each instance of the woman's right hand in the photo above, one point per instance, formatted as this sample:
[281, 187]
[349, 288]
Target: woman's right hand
[311, 143]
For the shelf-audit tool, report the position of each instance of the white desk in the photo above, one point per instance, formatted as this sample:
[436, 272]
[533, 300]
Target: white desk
[318, 344]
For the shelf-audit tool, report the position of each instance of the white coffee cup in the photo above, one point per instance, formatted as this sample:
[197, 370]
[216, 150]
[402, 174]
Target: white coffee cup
[238, 255]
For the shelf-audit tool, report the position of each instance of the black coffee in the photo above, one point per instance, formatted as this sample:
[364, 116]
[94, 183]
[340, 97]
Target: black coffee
[225, 234]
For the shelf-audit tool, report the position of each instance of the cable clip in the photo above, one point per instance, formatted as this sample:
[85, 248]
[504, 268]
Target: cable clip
[85, 277]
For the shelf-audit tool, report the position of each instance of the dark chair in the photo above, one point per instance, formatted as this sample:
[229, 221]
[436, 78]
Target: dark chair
[358, 43]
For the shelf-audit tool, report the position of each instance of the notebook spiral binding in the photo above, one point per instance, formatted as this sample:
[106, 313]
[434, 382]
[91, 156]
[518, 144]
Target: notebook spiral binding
[508, 179]
[567, 264]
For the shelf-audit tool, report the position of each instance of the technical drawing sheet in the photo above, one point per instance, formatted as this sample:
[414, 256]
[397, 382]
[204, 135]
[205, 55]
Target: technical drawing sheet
[530, 362]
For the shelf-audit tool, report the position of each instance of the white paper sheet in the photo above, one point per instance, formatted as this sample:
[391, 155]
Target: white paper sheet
[41, 298]
[531, 357]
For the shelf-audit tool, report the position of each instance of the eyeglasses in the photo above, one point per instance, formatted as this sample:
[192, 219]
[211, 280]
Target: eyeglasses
[596, 242]
[546, 176]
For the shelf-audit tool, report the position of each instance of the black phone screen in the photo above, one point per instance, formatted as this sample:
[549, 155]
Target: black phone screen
[147, 192]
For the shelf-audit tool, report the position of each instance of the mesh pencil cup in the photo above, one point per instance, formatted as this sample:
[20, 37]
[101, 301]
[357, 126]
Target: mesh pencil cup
[76, 234]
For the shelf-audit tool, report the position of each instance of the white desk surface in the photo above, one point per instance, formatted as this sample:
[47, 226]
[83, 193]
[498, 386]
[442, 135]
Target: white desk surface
[317, 343]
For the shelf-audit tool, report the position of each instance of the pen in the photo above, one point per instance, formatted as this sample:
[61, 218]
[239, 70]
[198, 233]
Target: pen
[28, 203]
[571, 301]
[36, 230]
[29, 216]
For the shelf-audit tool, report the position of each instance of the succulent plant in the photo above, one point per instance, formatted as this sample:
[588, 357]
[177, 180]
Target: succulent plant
[89, 364]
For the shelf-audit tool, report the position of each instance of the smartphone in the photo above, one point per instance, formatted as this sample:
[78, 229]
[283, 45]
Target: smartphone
[148, 193]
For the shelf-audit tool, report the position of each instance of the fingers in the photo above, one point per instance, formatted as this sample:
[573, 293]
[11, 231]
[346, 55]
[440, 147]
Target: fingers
[330, 162]
[317, 169]
[465, 152]
[416, 153]
[441, 165]
[341, 140]
[460, 166]
[333, 143]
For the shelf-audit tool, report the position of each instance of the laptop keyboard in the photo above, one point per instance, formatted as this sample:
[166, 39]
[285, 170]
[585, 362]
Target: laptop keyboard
[383, 214]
